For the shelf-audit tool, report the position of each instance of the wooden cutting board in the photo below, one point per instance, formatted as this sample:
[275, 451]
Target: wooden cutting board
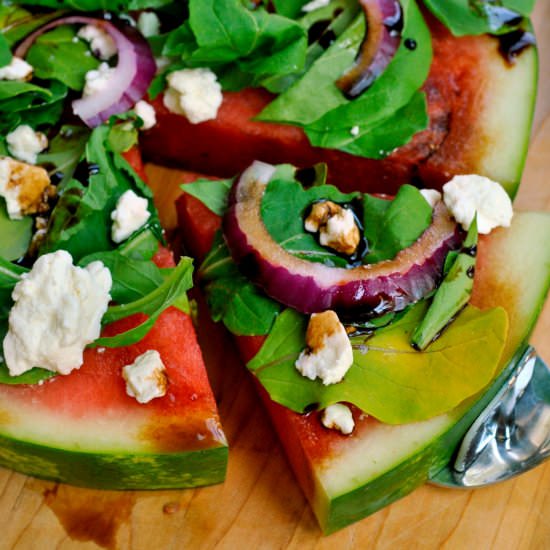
[260, 505]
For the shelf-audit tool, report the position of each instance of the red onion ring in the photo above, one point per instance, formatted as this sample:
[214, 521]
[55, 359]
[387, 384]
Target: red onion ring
[383, 35]
[311, 287]
[130, 80]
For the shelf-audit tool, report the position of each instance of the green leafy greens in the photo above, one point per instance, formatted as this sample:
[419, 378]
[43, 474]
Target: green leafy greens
[242, 307]
[284, 207]
[81, 222]
[467, 17]
[60, 55]
[392, 225]
[388, 379]
[384, 117]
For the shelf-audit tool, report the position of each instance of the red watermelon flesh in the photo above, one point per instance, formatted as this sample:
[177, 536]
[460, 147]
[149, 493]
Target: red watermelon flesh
[84, 429]
[480, 110]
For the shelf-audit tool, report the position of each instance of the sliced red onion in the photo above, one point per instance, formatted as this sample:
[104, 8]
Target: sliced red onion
[130, 80]
[384, 20]
[310, 287]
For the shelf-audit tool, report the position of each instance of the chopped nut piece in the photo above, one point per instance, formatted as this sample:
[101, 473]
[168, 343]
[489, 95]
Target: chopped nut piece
[336, 226]
[25, 187]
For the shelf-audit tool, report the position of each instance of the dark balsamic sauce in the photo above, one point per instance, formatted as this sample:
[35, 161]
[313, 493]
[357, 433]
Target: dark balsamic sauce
[327, 39]
[316, 31]
[410, 44]
[512, 44]
[469, 250]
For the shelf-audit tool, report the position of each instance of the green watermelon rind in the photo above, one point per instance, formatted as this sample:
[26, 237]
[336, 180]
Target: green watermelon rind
[116, 470]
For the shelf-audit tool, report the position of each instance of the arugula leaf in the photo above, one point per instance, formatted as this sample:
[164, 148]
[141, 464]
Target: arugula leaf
[231, 297]
[283, 209]
[379, 112]
[471, 17]
[99, 5]
[374, 139]
[10, 275]
[452, 295]
[24, 103]
[33, 376]
[5, 51]
[13, 88]
[65, 152]
[212, 193]
[16, 22]
[391, 226]
[388, 379]
[60, 55]
[132, 278]
[172, 292]
[80, 222]
[16, 234]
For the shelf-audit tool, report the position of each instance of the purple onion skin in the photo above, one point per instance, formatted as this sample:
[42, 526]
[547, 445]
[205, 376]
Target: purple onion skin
[388, 15]
[141, 56]
[369, 296]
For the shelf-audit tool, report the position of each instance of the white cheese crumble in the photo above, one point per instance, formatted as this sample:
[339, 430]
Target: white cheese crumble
[467, 195]
[101, 43]
[145, 377]
[129, 215]
[194, 93]
[432, 196]
[315, 5]
[338, 417]
[146, 112]
[148, 24]
[17, 69]
[97, 80]
[354, 131]
[336, 226]
[24, 187]
[328, 355]
[57, 312]
[25, 144]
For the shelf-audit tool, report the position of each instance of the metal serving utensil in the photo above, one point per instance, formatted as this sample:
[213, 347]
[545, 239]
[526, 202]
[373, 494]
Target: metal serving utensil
[511, 435]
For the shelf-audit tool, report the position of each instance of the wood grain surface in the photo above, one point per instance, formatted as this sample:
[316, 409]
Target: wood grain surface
[260, 505]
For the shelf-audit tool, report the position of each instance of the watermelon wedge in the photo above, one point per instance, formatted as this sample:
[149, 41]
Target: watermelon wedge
[480, 109]
[83, 428]
[346, 478]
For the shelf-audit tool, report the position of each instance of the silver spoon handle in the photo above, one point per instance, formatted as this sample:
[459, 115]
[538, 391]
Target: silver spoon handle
[511, 435]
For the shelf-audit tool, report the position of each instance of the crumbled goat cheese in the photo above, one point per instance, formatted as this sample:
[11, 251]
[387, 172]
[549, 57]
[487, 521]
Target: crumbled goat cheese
[25, 187]
[129, 215]
[25, 144]
[338, 417]
[148, 24]
[17, 69]
[354, 131]
[57, 312]
[145, 377]
[101, 43]
[467, 195]
[146, 112]
[194, 93]
[97, 80]
[328, 355]
[432, 196]
[315, 5]
[336, 226]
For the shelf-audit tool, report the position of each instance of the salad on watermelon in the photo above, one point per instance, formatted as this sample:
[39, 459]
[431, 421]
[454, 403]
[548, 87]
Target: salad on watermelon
[102, 382]
[377, 318]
